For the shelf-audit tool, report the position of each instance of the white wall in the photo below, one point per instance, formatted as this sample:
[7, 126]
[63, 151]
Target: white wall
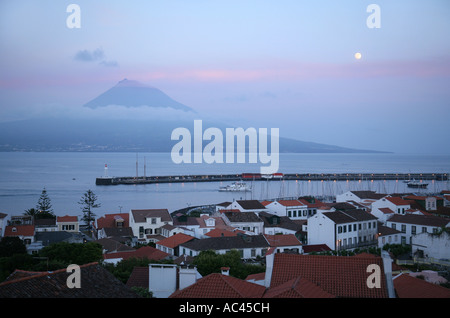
[162, 279]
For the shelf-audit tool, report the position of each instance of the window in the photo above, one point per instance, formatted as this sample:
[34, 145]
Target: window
[339, 229]
[354, 227]
[305, 212]
[153, 220]
[403, 228]
[359, 226]
[289, 213]
[344, 229]
[413, 229]
[369, 225]
[424, 229]
[349, 227]
[253, 252]
[394, 226]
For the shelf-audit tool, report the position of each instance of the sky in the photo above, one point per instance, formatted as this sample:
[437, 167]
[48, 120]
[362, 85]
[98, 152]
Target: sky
[254, 63]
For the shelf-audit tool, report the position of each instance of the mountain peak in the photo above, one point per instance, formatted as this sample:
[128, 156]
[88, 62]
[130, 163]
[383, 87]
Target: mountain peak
[131, 93]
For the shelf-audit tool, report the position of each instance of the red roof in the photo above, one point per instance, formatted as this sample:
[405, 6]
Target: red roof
[297, 288]
[109, 220]
[220, 286]
[222, 232]
[175, 240]
[291, 203]
[398, 201]
[67, 218]
[282, 240]
[386, 210]
[407, 286]
[19, 230]
[148, 252]
[342, 276]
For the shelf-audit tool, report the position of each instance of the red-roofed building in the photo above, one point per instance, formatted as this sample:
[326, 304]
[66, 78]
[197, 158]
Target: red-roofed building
[116, 220]
[293, 209]
[285, 243]
[396, 204]
[68, 223]
[24, 232]
[171, 244]
[148, 252]
[407, 286]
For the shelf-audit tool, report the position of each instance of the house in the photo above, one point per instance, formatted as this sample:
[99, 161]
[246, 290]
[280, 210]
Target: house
[315, 248]
[395, 204]
[285, 243]
[274, 224]
[387, 235]
[45, 225]
[111, 246]
[208, 223]
[435, 245]
[343, 230]
[293, 209]
[24, 232]
[46, 238]
[249, 246]
[407, 286]
[68, 223]
[249, 222]
[148, 222]
[170, 245]
[426, 203]
[247, 206]
[95, 282]
[411, 224]
[359, 196]
[339, 276]
[147, 252]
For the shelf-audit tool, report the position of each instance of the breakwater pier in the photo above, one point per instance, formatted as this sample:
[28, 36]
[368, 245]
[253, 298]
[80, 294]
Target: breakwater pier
[401, 177]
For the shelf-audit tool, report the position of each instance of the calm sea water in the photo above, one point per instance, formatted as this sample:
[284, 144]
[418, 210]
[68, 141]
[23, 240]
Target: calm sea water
[66, 176]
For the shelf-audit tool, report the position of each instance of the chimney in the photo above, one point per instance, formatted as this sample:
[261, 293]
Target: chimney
[387, 264]
[225, 271]
[270, 255]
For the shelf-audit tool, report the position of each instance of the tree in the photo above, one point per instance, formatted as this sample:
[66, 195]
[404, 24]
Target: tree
[88, 202]
[10, 245]
[44, 205]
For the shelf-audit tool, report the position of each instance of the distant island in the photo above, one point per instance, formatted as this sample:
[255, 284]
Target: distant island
[150, 132]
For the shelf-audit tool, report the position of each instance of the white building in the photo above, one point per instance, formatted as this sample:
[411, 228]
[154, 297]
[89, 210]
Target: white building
[432, 245]
[343, 230]
[396, 204]
[412, 224]
[293, 209]
[249, 222]
[249, 246]
[145, 223]
[359, 196]
[247, 206]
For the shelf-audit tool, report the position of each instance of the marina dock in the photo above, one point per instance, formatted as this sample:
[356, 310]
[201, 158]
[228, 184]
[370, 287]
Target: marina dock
[273, 177]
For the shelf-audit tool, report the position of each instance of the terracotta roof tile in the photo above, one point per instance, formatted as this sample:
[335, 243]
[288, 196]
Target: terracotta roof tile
[109, 220]
[343, 276]
[297, 288]
[282, 240]
[220, 286]
[175, 240]
[67, 218]
[407, 286]
[19, 230]
[143, 252]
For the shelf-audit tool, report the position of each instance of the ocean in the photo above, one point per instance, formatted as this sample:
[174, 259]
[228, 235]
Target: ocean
[68, 175]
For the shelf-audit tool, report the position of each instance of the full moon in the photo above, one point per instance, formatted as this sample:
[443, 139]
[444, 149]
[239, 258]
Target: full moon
[358, 56]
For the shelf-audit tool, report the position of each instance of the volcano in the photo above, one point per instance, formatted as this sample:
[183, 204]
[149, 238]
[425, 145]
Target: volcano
[130, 93]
